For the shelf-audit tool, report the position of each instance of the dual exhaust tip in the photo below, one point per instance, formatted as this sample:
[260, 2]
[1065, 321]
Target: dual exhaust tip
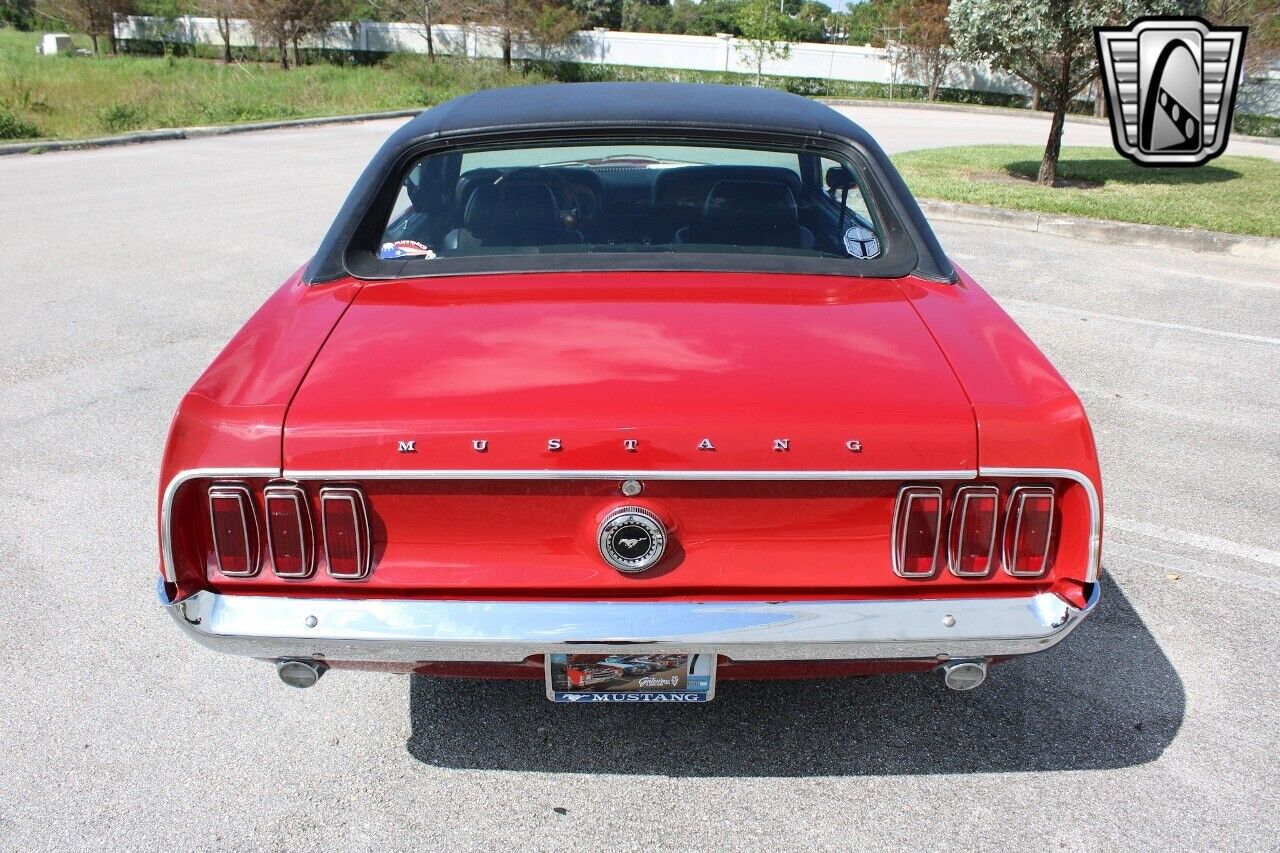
[300, 673]
[959, 675]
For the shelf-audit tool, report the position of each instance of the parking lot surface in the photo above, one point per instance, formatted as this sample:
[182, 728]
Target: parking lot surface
[1155, 726]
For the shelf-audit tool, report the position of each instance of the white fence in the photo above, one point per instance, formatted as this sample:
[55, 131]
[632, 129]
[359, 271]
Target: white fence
[604, 47]
[652, 50]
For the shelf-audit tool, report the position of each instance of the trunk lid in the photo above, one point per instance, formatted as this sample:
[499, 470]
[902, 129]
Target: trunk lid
[664, 359]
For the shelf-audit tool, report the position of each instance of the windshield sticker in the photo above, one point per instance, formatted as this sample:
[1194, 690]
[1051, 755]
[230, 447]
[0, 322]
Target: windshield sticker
[405, 249]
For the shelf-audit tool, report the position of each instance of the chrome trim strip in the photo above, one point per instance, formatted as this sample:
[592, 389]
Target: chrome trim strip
[1095, 505]
[510, 631]
[171, 490]
[621, 474]
[901, 507]
[961, 500]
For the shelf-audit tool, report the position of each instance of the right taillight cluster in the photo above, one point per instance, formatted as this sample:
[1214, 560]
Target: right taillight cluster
[291, 550]
[974, 532]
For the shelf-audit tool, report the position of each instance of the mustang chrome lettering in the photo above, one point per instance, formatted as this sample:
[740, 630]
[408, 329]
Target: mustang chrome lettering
[407, 446]
[480, 445]
[706, 444]
[782, 444]
[554, 445]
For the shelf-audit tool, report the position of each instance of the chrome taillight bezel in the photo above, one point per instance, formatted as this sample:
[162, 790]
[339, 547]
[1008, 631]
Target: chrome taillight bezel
[1013, 513]
[959, 508]
[243, 496]
[901, 510]
[354, 496]
[306, 529]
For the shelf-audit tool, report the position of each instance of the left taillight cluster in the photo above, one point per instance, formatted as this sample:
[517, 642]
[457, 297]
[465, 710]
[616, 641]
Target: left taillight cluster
[292, 548]
[974, 534]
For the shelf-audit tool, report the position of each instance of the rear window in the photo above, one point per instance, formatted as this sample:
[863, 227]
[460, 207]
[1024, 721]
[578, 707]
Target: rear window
[631, 197]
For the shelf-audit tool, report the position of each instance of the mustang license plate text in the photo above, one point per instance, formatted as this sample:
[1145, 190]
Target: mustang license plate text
[631, 678]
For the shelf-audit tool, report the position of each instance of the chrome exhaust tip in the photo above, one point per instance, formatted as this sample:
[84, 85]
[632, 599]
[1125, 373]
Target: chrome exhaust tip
[300, 673]
[964, 674]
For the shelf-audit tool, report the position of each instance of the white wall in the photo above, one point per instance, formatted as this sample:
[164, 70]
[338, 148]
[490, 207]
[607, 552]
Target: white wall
[652, 50]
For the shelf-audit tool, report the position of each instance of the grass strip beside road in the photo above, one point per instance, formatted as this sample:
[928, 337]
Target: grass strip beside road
[70, 97]
[1237, 195]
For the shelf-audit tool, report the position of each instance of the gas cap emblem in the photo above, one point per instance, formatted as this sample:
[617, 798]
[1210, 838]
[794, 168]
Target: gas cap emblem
[632, 539]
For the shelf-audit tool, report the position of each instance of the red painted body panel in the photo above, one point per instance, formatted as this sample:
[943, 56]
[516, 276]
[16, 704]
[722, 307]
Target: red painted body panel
[664, 358]
[233, 415]
[1028, 416]
[926, 376]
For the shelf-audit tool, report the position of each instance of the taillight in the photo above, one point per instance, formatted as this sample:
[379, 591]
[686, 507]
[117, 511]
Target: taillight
[289, 536]
[234, 524]
[1028, 531]
[345, 520]
[971, 539]
[917, 531]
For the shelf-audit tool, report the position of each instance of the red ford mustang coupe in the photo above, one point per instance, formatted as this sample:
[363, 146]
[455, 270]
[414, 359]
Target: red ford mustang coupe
[666, 371]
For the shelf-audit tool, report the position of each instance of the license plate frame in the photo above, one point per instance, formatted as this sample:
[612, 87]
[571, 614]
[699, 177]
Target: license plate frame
[629, 677]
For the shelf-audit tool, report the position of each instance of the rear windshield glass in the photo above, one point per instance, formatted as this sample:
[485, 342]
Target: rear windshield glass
[631, 197]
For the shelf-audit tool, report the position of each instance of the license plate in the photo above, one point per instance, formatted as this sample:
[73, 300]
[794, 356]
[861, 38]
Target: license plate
[631, 678]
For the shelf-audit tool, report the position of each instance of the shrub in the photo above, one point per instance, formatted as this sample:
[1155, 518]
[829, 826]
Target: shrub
[13, 126]
[121, 117]
[1256, 125]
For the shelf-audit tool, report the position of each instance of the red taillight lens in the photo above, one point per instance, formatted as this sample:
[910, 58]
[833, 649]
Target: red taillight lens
[972, 536]
[917, 528]
[235, 530]
[289, 534]
[1028, 531]
[345, 518]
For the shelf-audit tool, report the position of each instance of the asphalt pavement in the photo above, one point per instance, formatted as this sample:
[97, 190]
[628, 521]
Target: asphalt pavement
[1153, 727]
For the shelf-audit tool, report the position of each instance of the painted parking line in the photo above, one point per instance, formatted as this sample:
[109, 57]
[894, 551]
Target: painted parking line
[1138, 321]
[1214, 544]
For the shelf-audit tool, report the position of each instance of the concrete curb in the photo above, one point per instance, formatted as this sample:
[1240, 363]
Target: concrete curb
[193, 132]
[1105, 231]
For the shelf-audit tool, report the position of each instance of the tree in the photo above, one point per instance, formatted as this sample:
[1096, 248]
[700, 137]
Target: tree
[96, 18]
[287, 22]
[223, 12]
[765, 34]
[19, 14]
[423, 15]
[599, 13]
[547, 22]
[1262, 17]
[926, 39]
[1048, 44]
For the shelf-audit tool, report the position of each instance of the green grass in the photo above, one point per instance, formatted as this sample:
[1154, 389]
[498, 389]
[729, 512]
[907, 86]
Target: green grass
[1240, 195]
[61, 97]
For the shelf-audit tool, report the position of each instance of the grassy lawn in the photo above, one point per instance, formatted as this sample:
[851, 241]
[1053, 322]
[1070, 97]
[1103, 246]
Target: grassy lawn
[69, 96]
[1240, 195]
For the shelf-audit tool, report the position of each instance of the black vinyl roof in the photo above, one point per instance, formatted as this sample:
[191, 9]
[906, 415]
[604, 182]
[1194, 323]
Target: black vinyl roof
[594, 108]
[632, 105]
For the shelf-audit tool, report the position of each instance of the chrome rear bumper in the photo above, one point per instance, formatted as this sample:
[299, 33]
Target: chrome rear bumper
[507, 631]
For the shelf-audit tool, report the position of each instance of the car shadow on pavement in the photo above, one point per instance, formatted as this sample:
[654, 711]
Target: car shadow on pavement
[1107, 697]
